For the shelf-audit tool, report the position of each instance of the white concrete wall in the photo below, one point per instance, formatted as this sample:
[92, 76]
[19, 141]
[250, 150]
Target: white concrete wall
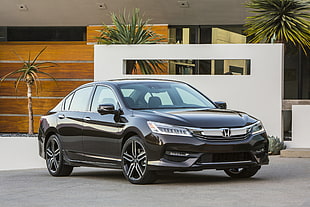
[20, 153]
[259, 94]
[300, 127]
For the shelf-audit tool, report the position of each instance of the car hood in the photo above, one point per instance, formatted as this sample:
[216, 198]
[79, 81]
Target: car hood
[206, 118]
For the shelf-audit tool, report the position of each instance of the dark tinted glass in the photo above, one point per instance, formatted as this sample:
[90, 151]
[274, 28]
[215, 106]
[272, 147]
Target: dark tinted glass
[67, 102]
[163, 95]
[46, 33]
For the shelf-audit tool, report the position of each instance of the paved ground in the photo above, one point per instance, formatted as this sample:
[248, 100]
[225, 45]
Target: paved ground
[286, 182]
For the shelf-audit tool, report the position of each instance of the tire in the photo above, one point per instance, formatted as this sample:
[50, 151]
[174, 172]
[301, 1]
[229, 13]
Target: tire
[134, 162]
[54, 158]
[242, 172]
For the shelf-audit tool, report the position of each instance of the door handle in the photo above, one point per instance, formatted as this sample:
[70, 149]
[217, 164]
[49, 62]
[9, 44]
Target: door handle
[61, 116]
[86, 118]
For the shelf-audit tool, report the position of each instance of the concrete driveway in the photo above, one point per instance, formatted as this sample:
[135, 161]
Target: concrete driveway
[285, 182]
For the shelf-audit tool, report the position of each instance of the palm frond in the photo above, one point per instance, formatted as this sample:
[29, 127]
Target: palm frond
[30, 68]
[286, 20]
[131, 29]
[38, 55]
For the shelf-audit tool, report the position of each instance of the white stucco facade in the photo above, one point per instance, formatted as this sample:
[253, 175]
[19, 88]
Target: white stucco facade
[18, 153]
[300, 127]
[259, 94]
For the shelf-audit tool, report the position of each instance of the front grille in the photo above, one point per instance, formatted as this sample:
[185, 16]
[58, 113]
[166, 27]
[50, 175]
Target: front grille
[219, 138]
[222, 134]
[225, 157]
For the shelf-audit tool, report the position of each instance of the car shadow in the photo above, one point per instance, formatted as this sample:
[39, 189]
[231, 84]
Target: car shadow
[166, 178]
[204, 177]
[98, 174]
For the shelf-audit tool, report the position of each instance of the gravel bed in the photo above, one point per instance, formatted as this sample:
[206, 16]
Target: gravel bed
[17, 135]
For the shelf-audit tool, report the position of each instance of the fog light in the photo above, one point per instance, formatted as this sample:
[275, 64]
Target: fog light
[175, 153]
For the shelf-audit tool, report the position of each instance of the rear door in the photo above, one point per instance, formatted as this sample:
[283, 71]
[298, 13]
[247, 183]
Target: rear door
[70, 121]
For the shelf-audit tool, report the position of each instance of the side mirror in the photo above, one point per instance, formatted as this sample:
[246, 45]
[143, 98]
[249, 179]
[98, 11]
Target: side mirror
[106, 109]
[221, 104]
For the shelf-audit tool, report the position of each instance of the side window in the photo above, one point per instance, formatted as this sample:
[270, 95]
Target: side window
[80, 99]
[67, 102]
[103, 95]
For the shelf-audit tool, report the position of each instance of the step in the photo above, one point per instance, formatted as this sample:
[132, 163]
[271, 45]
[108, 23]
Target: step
[296, 152]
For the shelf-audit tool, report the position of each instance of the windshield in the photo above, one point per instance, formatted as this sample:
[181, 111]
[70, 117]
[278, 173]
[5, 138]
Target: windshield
[162, 95]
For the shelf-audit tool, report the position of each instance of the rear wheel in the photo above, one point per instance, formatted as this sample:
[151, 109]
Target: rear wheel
[242, 172]
[54, 158]
[134, 162]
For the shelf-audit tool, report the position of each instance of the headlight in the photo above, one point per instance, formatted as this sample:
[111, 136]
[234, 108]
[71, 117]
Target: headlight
[161, 128]
[257, 128]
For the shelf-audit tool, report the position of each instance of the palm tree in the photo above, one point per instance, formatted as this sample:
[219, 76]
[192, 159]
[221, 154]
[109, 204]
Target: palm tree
[132, 29]
[279, 20]
[29, 74]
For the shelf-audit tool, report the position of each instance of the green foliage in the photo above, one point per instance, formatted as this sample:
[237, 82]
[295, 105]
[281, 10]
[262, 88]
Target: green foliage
[132, 29]
[29, 73]
[280, 20]
[275, 145]
[30, 70]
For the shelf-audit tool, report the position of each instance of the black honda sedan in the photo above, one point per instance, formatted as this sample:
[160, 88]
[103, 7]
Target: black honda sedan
[149, 126]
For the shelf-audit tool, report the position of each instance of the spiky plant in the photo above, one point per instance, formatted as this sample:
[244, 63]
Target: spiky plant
[28, 73]
[132, 29]
[279, 20]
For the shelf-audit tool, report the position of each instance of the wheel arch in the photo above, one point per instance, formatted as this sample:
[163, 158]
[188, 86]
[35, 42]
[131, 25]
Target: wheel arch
[48, 134]
[130, 132]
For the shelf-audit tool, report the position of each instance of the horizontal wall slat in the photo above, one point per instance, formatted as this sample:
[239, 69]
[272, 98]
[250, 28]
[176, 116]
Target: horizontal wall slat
[49, 88]
[17, 124]
[20, 106]
[43, 43]
[52, 52]
[63, 70]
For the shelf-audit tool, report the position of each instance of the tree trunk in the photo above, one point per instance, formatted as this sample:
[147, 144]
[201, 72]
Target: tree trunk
[30, 112]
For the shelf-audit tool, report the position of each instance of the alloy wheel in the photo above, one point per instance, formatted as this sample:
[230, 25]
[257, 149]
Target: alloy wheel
[134, 160]
[53, 155]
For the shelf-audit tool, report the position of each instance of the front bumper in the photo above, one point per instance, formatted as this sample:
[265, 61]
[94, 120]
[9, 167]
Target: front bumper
[179, 153]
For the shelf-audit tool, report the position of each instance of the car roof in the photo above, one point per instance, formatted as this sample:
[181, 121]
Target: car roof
[131, 80]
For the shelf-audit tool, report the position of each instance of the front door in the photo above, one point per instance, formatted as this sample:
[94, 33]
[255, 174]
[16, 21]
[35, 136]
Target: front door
[102, 133]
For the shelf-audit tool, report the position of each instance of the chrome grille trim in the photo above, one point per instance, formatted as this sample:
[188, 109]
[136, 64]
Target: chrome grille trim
[216, 134]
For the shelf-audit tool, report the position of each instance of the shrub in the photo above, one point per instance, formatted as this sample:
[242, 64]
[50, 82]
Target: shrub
[275, 145]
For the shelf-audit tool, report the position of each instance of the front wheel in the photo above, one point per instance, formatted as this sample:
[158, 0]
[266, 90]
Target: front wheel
[54, 158]
[242, 172]
[134, 162]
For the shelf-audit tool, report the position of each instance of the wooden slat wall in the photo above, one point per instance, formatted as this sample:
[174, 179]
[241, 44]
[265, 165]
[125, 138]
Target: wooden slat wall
[92, 32]
[63, 70]
[52, 53]
[17, 123]
[19, 105]
[48, 88]
[74, 67]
